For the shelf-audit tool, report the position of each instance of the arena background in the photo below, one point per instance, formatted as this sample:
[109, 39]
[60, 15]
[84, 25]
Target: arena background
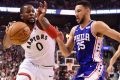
[58, 15]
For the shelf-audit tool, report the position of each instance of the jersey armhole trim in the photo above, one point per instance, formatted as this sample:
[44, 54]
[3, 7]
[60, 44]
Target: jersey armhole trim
[75, 27]
[92, 30]
[25, 74]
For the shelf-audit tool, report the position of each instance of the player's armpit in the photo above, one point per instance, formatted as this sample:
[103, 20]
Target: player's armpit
[104, 29]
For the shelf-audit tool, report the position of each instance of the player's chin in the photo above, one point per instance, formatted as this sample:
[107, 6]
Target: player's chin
[31, 21]
[78, 21]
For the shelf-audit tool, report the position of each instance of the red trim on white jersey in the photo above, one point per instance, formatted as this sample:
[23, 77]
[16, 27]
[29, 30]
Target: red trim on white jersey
[97, 50]
[25, 74]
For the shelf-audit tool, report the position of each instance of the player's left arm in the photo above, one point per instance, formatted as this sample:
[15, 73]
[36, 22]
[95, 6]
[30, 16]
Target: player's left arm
[50, 30]
[113, 60]
[104, 29]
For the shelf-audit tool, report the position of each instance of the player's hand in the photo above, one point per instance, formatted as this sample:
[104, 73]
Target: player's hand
[41, 11]
[9, 24]
[110, 69]
[60, 34]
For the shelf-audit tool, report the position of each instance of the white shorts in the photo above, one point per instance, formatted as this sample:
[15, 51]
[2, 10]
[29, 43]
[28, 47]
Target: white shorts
[35, 72]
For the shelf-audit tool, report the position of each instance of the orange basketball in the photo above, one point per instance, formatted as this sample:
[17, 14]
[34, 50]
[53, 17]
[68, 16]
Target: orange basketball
[18, 33]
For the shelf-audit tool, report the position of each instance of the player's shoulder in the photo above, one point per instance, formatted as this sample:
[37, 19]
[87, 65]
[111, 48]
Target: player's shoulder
[74, 28]
[98, 23]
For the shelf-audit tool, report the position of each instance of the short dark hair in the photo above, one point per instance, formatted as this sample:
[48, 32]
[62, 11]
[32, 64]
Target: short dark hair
[22, 8]
[85, 3]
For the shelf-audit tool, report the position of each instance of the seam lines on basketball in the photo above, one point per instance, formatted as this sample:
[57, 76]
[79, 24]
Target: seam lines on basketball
[21, 39]
[16, 31]
[10, 30]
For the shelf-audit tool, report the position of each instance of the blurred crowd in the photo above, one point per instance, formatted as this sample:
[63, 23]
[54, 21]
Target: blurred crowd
[10, 60]
[63, 4]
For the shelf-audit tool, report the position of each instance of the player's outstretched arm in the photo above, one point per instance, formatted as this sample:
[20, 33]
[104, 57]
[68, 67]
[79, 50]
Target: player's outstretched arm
[113, 60]
[68, 47]
[41, 11]
[104, 29]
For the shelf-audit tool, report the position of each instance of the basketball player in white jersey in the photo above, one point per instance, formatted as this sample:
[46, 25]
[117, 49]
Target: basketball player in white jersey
[40, 48]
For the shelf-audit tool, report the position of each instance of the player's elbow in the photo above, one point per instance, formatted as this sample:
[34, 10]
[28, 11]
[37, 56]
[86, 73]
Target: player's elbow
[119, 38]
[66, 54]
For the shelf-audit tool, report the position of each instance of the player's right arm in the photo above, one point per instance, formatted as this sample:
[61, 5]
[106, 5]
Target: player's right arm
[6, 40]
[68, 47]
[48, 28]
[104, 29]
[113, 60]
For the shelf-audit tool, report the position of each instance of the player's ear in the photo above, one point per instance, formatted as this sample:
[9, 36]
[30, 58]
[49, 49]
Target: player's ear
[21, 16]
[88, 10]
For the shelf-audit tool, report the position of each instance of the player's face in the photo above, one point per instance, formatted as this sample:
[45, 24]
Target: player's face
[80, 13]
[28, 14]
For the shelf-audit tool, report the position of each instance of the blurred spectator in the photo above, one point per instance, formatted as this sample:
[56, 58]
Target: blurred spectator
[10, 59]
[63, 4]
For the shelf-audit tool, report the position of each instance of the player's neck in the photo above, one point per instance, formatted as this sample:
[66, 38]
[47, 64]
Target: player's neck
[85, 23]
[39, 25]
[31, 27]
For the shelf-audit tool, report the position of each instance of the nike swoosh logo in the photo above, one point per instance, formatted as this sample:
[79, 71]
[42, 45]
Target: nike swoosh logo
[87, 27]
[50, 76]
[82, 75]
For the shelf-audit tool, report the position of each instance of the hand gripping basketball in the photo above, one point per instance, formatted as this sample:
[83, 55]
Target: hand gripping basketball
[18, 33]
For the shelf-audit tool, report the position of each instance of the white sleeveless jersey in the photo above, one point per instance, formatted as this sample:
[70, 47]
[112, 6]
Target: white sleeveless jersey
[40, 48]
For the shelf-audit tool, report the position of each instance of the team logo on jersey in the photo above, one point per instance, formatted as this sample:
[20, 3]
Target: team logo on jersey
[36, 38]
[80, 40]
[82, 37]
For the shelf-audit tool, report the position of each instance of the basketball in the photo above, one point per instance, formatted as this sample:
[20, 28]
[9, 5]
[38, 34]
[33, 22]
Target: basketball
[18, 33]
